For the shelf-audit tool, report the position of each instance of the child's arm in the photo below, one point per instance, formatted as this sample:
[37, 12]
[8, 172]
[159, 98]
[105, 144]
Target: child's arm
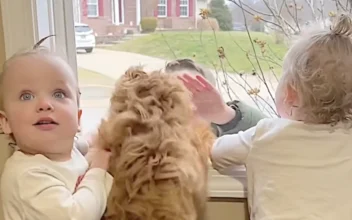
[44, 196]
[231, 150]
[245, 118]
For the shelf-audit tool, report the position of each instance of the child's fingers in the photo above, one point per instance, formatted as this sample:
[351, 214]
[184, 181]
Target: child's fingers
[205, 83]
[188, 85]
[194, 83]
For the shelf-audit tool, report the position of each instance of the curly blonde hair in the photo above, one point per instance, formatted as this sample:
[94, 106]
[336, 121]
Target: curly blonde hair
[159, 153]
[319, 68]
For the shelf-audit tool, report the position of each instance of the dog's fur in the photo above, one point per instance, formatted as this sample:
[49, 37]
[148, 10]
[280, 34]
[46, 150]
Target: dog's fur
[159, 150]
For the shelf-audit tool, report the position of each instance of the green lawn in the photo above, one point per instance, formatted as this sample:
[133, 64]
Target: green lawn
[87, 77]
[202, 46]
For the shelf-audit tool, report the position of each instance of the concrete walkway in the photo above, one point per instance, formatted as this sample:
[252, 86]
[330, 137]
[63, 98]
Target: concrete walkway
[115, 63]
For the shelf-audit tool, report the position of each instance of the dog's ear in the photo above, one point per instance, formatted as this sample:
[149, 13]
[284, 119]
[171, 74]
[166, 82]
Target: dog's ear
[135, 72]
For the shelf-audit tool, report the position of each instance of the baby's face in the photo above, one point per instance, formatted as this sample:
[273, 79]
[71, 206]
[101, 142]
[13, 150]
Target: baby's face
[40, 102]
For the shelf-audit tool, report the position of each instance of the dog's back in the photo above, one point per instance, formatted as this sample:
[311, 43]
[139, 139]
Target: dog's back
[160, 158]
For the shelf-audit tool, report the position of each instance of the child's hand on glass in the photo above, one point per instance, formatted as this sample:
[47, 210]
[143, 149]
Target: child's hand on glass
[207, 100]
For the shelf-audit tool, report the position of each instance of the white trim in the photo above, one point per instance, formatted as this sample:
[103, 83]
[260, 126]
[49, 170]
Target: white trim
[162, 5]
[138, 12]
[96, 4]
[123, 11]
[184, 5]
[18, 25]
[115, 12]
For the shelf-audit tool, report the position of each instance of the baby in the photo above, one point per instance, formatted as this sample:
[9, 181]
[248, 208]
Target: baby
[299, 166]
[40, 103]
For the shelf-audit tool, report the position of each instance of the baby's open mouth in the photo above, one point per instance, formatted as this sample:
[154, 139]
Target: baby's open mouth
[46, 121]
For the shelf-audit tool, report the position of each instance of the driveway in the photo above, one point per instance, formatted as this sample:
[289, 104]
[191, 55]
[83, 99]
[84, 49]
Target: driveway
[115, 63]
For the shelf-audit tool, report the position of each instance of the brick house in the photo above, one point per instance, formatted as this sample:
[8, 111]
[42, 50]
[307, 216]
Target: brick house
[113, 17]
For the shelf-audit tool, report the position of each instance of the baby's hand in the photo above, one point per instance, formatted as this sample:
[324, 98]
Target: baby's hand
[98, 158]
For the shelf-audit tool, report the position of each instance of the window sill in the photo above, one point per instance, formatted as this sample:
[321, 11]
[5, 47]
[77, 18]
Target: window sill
[221, 186]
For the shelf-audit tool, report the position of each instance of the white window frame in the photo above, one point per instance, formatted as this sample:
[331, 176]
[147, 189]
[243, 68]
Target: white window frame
[184, 5]
[96, 4]
[162, 5]
[20, 17]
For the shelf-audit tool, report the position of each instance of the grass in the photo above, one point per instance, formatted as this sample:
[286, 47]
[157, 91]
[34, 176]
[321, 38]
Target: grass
[202, 46]
[88, 77]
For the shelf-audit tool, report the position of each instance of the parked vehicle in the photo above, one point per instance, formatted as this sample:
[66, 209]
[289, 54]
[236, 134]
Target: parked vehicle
[85, 38]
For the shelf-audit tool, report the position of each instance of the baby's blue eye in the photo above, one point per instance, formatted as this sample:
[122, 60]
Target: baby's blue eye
[59, 95]
[26, 96]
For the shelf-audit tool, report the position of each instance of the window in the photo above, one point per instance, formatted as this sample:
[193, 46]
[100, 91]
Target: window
[162, 8]
[184, 8]
[93, 69]
[92, 8]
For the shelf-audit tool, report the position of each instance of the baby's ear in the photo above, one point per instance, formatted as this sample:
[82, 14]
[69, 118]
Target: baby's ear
[291, 97]
[4, 123]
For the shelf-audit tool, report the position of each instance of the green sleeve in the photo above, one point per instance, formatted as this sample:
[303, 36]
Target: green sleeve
[246, 117]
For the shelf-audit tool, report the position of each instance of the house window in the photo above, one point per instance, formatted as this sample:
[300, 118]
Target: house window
[162, 8]
[92, 8]
[184, 8]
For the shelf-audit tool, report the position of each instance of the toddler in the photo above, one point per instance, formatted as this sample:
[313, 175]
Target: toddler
[299, 166]
[46, 177]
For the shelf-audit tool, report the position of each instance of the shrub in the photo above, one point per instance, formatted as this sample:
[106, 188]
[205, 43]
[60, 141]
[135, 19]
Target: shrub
[208, 24]
[220, 11]
[148, 24]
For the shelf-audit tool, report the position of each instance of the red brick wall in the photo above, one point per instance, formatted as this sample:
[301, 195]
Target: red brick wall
[102, 24]
[175, 21]
[99, 24]
[148, 7]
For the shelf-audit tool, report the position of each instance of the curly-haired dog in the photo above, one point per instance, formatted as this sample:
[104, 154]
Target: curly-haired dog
[159, 150]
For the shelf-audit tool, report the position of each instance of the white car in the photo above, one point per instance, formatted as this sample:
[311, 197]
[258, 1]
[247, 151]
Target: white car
[85, 38]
